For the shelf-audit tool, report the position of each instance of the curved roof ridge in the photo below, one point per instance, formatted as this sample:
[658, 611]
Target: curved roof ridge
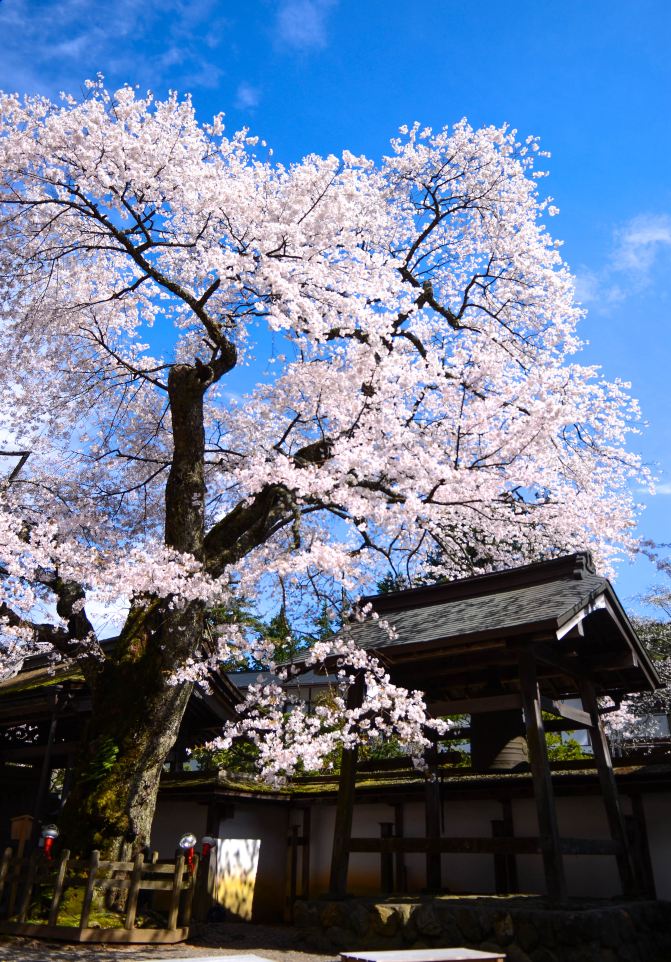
[576, 566]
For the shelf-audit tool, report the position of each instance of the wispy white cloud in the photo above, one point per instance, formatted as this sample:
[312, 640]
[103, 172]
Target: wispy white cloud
[597, 287]
[641, 242]
[301, 24]
[640, 247]
[247, 97]
[663, 488]
[51, 46]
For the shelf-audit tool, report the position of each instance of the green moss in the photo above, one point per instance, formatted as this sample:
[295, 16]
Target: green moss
[40, 678]
[102, 762]
[70, 911]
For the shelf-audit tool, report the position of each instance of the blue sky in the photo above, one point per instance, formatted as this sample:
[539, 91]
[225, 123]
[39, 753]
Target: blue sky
[593, 79]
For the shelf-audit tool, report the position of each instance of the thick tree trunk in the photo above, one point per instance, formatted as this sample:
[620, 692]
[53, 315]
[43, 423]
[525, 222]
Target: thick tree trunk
[135, 721]
[137, 712]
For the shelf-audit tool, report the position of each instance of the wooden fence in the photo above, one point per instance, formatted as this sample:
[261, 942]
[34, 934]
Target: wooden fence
[24, 881]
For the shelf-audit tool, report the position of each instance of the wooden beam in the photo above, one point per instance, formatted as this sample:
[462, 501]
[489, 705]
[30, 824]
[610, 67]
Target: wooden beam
[342, 829]
[462, 845]
[473, 706]
[568, 664]
[481, 845]
[562, 710]
[560, 725]
[611, 798]
[540, 769]
[19, 752]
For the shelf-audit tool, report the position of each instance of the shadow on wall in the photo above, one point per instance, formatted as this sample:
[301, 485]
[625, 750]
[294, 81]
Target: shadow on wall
[235, 875]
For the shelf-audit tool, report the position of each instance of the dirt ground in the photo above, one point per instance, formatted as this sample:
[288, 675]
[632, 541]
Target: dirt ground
[280, 943]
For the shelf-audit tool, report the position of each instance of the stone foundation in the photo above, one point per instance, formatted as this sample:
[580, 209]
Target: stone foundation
[527, 929]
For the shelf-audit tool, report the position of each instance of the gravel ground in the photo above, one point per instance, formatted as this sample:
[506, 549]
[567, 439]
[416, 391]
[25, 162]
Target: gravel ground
[279, 943]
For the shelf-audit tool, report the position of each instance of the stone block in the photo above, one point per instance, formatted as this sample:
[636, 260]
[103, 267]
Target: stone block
[543, 954]
[469, 925]
[504, 928]
[515, 954]
[526, 933]
[384, 920]
[427, 920]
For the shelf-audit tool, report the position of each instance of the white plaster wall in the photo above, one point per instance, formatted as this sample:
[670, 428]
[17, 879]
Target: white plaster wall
[269, 823]
[321, 844]
[173, 819]
[469, 873]
[582, 817]
[415, 864]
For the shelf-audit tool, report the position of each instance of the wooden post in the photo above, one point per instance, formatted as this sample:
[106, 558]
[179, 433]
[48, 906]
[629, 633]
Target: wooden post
[505, 864]
[58, 887]
[4, 869]
[611, 798]
[399, 858]
[342, 830]
[550, 842]
[134, 891]
[305, 854]
[501, 886]
[293, 869]
[45, 770]
[188, 898]
[386, 860]
[29, 883]
[176, 892]
[90, 886]
[509, 830]
[642, 847]
[432, 803]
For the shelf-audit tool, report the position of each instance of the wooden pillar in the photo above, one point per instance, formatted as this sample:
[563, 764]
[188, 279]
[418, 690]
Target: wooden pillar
[609, 792]
[305, 855]
[399, 858]
[641, 846]
[45, 770]
[505, 864]
[550, 842]
[293, 870]
[342, 830]
[434, 878]
[386, 860]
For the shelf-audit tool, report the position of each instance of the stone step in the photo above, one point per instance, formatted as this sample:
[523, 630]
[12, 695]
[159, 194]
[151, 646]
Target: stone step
[424, 955]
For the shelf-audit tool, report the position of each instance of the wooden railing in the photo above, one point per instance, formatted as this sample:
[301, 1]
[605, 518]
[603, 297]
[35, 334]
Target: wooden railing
[25, 881]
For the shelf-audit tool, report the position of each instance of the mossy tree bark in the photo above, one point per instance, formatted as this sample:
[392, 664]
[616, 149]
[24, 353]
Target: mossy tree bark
[137, 711]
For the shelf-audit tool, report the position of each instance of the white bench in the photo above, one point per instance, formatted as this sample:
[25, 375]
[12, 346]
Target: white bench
[424, 955]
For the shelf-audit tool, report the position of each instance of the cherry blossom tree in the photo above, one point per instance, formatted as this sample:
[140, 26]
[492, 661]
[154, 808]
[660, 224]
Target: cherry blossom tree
[409, 332]
[639, 719]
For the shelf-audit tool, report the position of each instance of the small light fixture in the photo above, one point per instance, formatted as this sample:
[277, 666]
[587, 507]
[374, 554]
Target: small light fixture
[49, 835]
[187, 843]
[208, 842]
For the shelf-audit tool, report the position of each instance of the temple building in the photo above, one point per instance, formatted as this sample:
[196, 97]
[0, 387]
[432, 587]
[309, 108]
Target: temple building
[516, 654]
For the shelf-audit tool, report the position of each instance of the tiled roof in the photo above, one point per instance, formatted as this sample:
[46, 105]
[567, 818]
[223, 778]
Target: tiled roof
[511, 611]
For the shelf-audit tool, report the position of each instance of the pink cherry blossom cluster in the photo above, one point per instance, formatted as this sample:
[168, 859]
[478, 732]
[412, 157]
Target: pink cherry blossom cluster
[413, 400]
[292, 738]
